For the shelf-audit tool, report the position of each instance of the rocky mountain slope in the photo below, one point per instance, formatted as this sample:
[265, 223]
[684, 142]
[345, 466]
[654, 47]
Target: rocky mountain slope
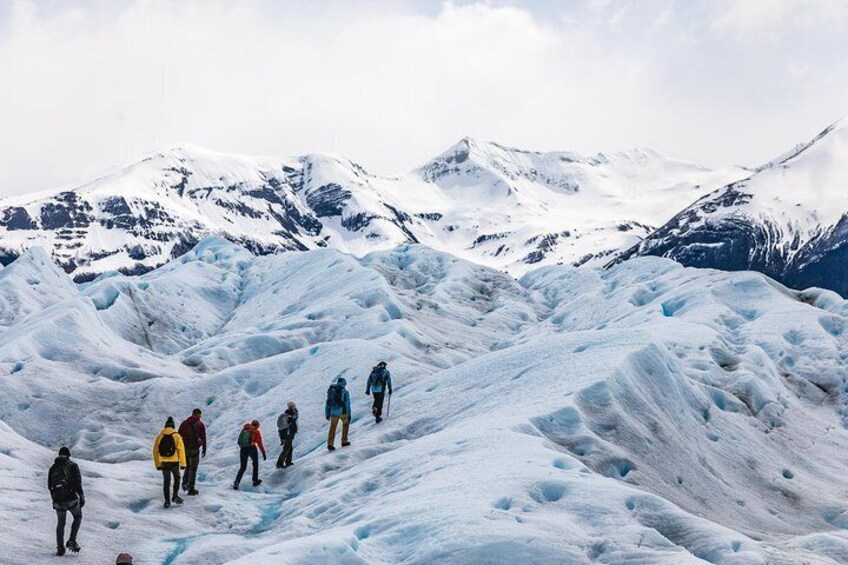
[501, 207]
[788, 220]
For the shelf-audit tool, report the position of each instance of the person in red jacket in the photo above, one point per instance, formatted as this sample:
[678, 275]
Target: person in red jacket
[193, 433]
[249, 440]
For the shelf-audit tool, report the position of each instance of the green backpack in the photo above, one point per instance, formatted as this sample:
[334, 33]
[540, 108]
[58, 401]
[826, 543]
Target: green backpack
[244, 438]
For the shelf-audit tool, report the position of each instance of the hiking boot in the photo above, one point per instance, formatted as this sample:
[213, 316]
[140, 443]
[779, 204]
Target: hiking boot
[235, 486]
[193, 492]
[379, 419]
[345, 443]
[72, 546]
[60, 551]
[167, 504]
[257, 482]
[177, 500]
[330, 448]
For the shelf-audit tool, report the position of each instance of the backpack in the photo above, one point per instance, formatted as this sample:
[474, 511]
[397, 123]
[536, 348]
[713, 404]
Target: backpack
[167, 446]
[59, 483]
[244, 438]
[335, 396]
[378, 377]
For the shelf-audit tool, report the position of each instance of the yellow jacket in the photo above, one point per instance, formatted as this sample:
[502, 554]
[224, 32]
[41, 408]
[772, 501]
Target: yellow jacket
[177, 457]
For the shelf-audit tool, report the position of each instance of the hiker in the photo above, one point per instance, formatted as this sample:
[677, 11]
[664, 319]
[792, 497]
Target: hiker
[248, 441]
[124, 559]
[193, 433]
[287, 428]
[65, 485]
[169, 456]
[337, 408]
[378, 382]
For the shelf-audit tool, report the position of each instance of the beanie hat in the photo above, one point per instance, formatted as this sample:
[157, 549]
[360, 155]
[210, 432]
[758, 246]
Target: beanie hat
[255, 423]
[64, 451]
[124, 559]
[169, 423]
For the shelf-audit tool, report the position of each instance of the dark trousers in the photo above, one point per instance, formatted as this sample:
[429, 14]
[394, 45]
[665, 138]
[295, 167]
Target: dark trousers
[190, 476]
[377, 407]
[252, 453]
[62, 515]
[170, 470]
[285, 457]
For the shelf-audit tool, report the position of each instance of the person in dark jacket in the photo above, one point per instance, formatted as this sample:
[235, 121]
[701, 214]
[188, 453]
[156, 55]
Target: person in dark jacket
[193, 433]
[379, 381]
[287, 428]
[65, 485]
[337, 409]
[249, 441]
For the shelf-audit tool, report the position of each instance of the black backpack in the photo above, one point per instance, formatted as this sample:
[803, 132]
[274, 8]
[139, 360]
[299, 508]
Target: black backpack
[335, 396]
[378, 376]
[167, 446]
[59, 483]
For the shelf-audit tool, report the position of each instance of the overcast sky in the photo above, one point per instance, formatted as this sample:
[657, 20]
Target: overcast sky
[87, 85]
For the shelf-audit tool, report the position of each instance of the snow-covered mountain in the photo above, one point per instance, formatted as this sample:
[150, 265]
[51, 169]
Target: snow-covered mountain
[500, 207]
[788, 220]
[648, 413]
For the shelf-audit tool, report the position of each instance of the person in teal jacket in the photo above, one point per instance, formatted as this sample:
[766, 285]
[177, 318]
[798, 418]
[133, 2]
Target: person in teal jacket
[379, 381]
[337, 408]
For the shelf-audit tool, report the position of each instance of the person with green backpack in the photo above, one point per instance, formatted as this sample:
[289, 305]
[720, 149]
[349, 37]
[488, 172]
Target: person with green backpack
[249, 440]
[169, 456]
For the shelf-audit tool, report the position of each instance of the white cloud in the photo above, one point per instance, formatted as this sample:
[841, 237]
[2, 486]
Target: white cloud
[776, 16]
[88, 85]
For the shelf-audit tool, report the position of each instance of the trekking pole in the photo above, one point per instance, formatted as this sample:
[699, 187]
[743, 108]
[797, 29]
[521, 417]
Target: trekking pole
[389, 407]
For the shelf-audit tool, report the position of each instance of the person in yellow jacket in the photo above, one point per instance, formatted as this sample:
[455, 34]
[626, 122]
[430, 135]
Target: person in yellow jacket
[169, 457]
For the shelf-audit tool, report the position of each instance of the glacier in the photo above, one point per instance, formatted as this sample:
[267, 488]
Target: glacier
[648, 413]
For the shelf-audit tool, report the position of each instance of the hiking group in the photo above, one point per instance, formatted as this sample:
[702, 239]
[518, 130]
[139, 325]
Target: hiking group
[180, 449]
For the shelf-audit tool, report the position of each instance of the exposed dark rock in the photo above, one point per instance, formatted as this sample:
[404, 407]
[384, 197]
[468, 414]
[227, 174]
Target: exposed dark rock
[489, 237]
[328, 200]
[357, 222]
[16, 218]
[65, 210]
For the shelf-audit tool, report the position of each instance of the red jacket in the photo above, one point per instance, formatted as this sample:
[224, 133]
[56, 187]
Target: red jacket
[255, 438]
[198, 434]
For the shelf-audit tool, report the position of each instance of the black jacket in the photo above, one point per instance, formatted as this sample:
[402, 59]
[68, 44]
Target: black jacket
[73, 473]
[287, 424]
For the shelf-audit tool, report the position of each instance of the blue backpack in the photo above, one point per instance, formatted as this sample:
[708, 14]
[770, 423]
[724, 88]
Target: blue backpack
[335, 396]
[378, 376]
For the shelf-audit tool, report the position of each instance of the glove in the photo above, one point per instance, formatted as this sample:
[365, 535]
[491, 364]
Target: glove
[390, 392]
[159, 468]
[264, 457]
[182, 468]
[82, 501]
[328, 418]
[203, 453]
[367, 393]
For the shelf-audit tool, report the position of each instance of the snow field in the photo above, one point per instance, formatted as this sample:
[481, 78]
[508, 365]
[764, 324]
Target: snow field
[646, 414]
